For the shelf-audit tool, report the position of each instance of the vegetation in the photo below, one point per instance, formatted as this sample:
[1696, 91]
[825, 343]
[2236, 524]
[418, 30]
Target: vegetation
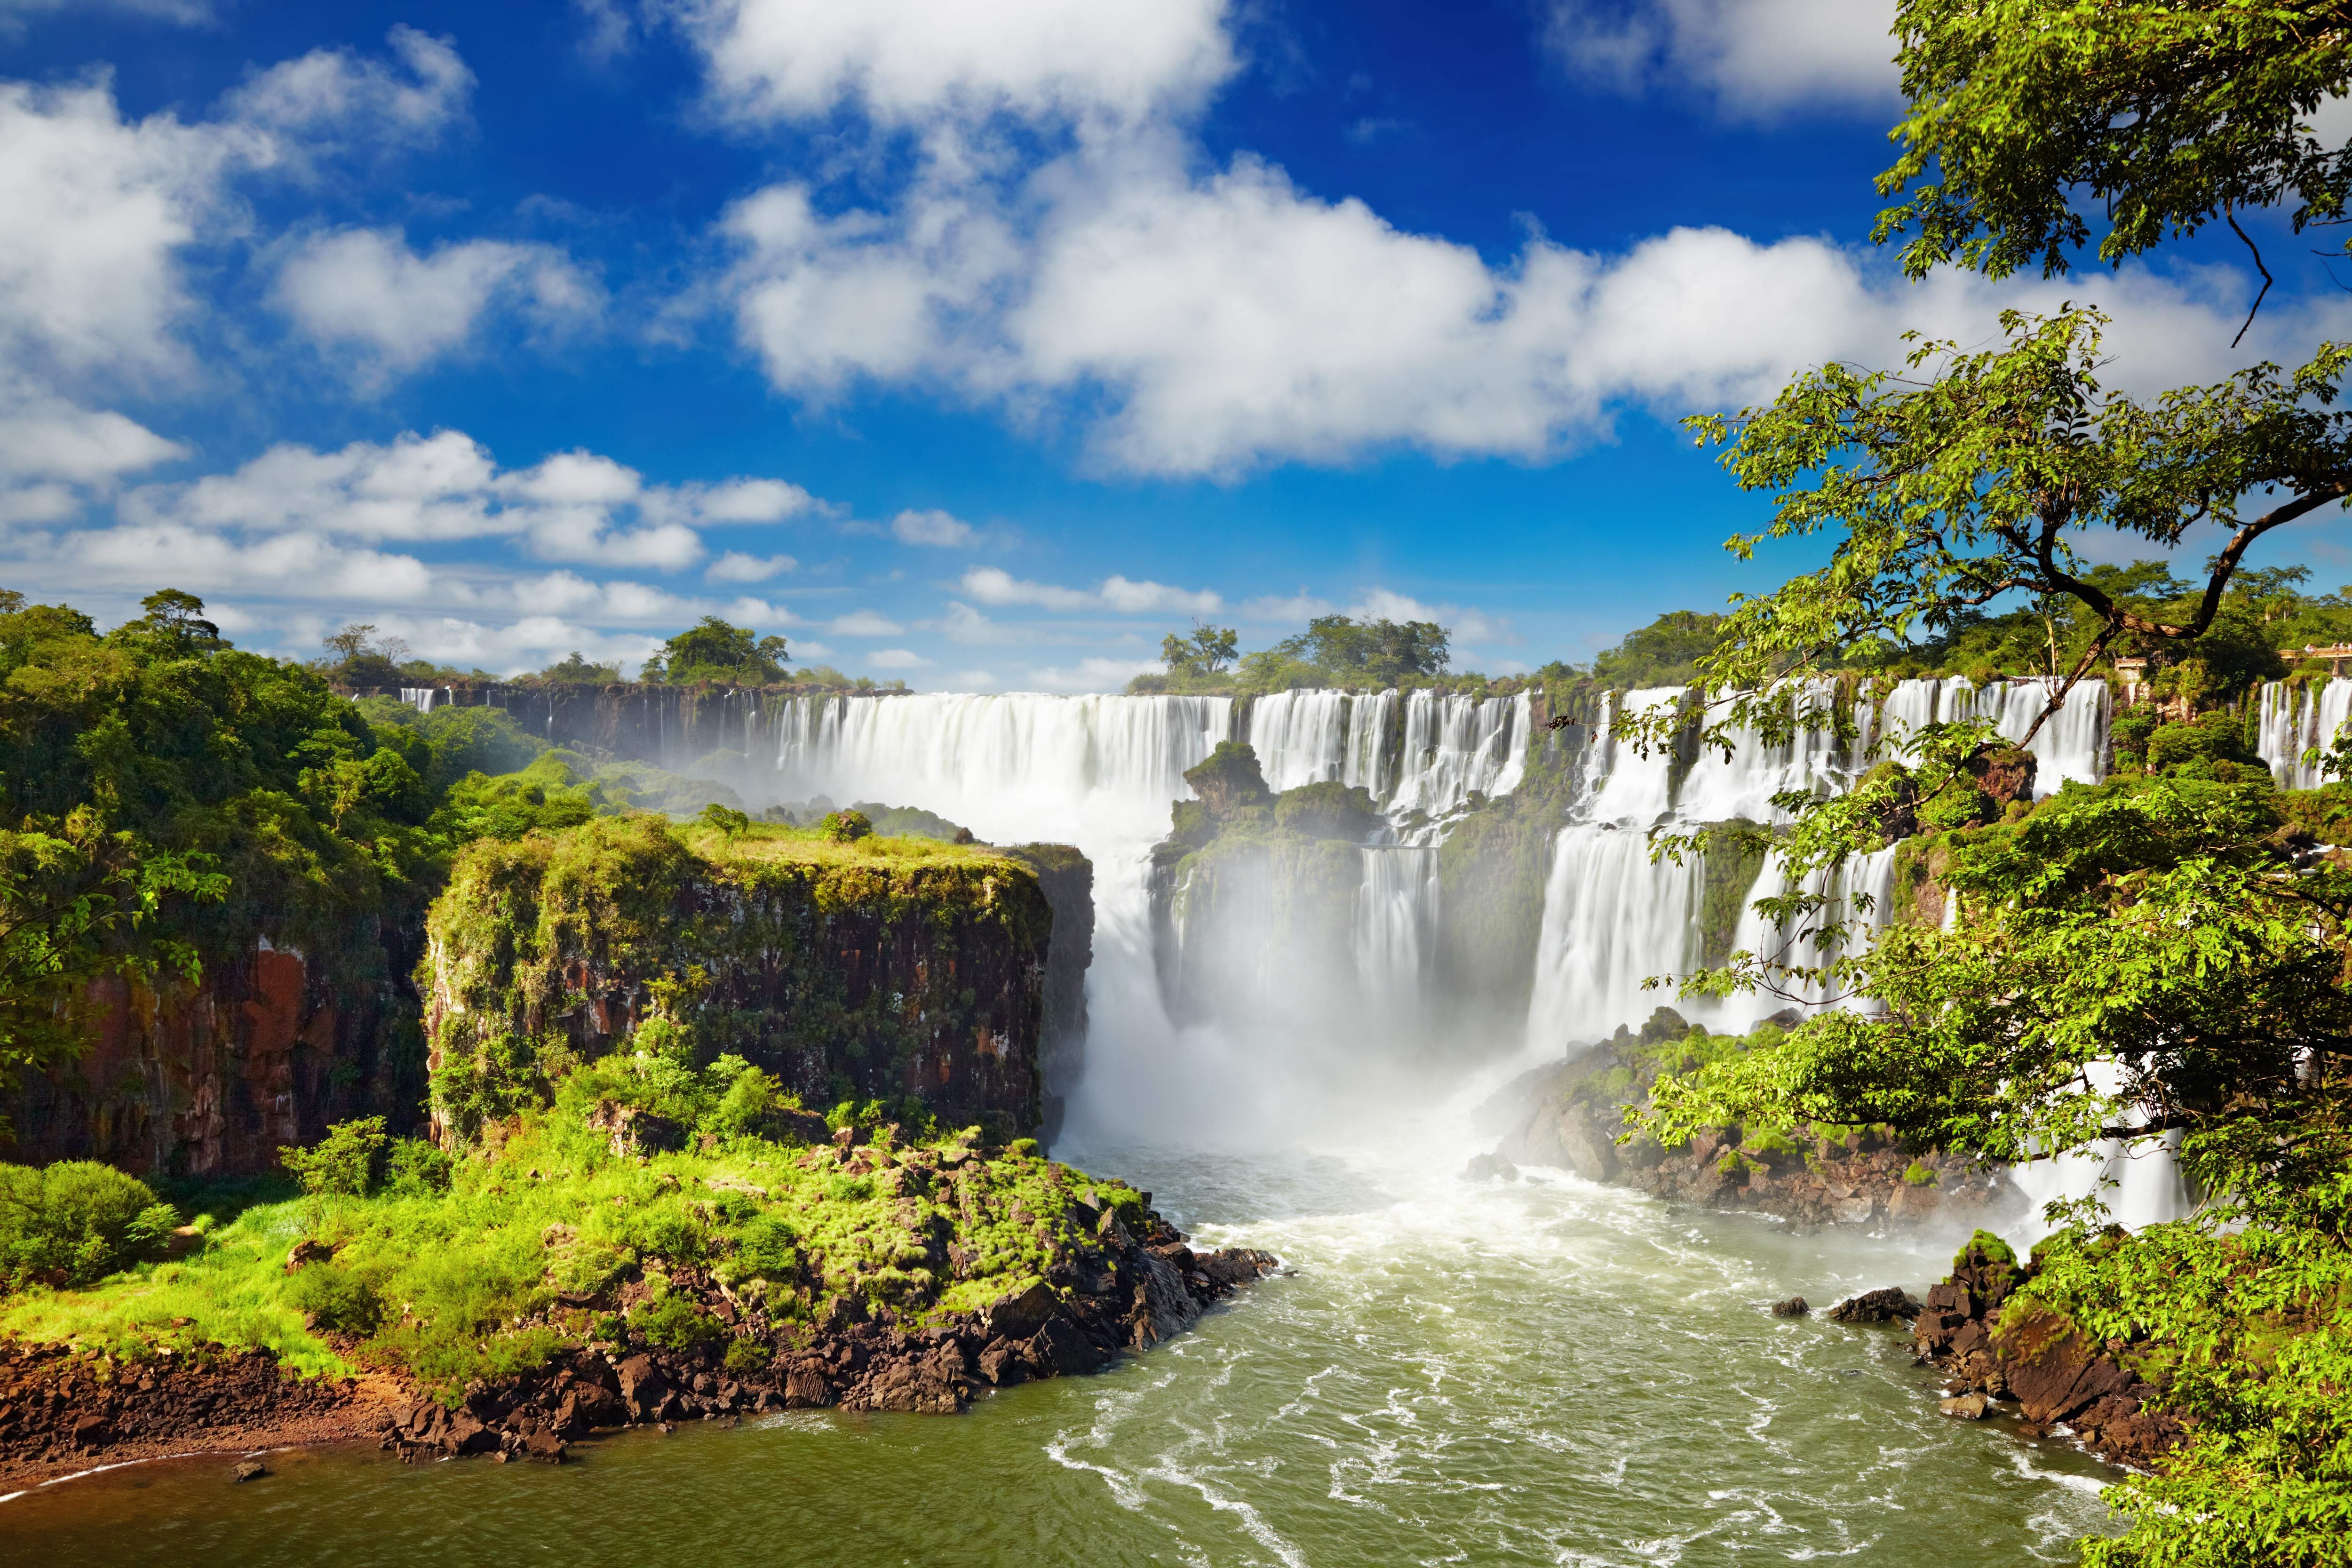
[2166, 952]
[714, 651]
[1333, 650]
[75, 1222]
[572, 669]
[451, 1271]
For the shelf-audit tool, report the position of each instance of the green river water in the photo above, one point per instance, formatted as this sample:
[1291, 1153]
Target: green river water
[1537, 1372]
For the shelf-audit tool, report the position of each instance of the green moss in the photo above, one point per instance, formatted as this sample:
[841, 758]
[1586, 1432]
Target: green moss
[1918, 1175]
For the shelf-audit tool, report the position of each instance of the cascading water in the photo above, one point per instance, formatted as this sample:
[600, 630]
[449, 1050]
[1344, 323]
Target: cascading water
[1455, 746]
[1396, 917]
[1615, 914]
[1300, 737]
[2071, 745]
[2293, 721]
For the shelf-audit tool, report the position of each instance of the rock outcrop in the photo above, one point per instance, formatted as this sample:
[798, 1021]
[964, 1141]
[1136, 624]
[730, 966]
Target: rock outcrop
[1128, 1292]
[209, 1079]
[867, 971]
[2002, 1348]
[1571, 1116]
[63, 1409]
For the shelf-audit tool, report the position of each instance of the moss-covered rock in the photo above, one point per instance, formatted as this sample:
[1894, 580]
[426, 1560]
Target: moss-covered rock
[850, 970]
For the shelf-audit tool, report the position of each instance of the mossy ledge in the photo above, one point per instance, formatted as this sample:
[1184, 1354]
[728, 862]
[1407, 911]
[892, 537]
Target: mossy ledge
[869, 968]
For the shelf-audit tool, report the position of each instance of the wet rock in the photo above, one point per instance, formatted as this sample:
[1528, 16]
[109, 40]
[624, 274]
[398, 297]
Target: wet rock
[1794, 1307]
[1490, 1167]
[249, 1470]
[1880, 1306]
[1163, 1307]
[643, 1388]
[1967, 1406]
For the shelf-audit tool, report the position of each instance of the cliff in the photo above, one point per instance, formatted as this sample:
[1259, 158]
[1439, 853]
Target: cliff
[874, 969]
[209, 1079]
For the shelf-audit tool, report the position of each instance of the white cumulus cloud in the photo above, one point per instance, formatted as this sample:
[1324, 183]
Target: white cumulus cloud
[1092, 674]
[934, 527]
[366, 290]
[737, 567]
[895, 659]
[994, 585]
[863, 624]
[1753, 57]
[914, 60]
[332, 94]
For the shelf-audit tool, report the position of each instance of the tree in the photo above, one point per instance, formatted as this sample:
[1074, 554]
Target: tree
[574, 669]
[2152, 953]
[1377, 652]
[1210, 650]
[1664, 653]
[713, 651]
[358, 658]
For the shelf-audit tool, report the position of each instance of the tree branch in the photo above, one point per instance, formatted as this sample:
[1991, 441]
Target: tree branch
[2258, 266]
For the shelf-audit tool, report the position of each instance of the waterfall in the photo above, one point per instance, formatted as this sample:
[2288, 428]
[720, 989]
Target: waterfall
[2139, 1178]
[1456, 745]
[1612, 918]
[1369, 722]
[2293, 721]
[1396, 923]
[420, 697]
[1613, 915]
[2071, 745]
[1300, 737]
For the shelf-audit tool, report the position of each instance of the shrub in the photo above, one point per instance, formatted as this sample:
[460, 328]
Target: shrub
[336, 1299]
[75, 1222]
[1918, 1175]
[415, 1169]
[846, 826]
[347, 1163]
[768, 1248]
[674, 1325]
[746, 1356]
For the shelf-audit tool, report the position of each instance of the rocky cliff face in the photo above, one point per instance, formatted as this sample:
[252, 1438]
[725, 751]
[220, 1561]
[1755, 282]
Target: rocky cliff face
[875, 970]
[1067, 879]
[209, 1079]
[1999, 1348]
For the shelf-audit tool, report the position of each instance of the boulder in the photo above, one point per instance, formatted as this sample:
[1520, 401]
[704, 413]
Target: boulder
[1060, 1349]
[1794, 1307]
[1163, 1308]
[1879, 1306]
[1490, 1167]
[1019, 1315]
[1967, 1406]
[807, 1389]
[643, 1387]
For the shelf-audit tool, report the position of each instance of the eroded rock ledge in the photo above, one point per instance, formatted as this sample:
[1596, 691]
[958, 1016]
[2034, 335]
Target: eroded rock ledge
[62, 1410]
[1152, 1289]
[2003, 1351]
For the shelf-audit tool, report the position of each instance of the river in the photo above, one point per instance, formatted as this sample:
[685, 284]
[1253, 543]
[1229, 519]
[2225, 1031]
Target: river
[1544, 1372]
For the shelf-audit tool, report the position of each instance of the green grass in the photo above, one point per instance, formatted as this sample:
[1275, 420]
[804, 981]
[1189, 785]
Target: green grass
[528, 1249]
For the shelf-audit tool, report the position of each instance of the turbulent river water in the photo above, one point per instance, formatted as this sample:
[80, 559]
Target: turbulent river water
[1544, 1372]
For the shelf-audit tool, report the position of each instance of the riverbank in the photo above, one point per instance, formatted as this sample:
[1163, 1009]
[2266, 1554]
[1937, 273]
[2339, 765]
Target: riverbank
[577, 1277]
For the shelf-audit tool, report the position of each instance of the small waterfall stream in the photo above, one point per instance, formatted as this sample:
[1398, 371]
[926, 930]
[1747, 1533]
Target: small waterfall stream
[2292, 721]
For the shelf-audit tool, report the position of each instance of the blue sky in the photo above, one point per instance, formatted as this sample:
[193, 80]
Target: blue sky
[977, 345]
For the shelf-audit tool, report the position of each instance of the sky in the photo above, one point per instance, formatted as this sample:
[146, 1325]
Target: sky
[973, 344]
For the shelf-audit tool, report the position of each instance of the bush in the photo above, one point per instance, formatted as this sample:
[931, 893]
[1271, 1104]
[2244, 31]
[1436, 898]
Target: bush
[347, 1163]
[1918, 1175]
[845, 827]
[768, 1250]
[673, 1324]
[336, 1299]
[417, 1169]
[75, 1222]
